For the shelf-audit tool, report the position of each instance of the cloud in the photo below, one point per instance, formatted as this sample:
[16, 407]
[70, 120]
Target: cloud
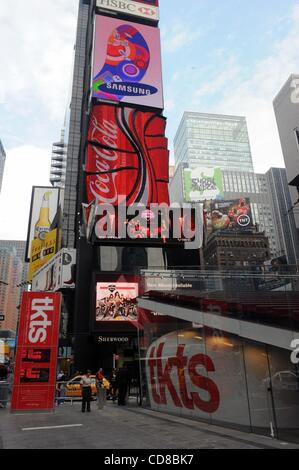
[36, 62]
[179, 36]
[253, 95]
[25, 166]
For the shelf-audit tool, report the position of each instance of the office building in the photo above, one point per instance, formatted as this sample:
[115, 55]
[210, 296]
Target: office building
[269, 198]
[286, 107]
[2, 163]
[11, 271]
[213, 141]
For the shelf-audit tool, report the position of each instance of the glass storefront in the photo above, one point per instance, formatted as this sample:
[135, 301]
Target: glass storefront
[219, 368]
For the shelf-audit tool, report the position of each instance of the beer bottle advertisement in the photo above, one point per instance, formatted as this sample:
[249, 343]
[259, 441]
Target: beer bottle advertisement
[42, 226]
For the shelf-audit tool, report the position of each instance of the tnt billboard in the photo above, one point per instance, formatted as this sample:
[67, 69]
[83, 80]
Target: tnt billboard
[36, 356]
[127, 63]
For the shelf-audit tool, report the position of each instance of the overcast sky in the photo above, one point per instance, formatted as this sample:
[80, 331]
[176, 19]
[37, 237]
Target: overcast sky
[226, 56]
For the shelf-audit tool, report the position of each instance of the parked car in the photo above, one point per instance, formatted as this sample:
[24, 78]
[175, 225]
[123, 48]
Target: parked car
[73, 387]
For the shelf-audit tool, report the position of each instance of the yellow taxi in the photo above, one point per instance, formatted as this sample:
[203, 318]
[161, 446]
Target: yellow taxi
[73, 387]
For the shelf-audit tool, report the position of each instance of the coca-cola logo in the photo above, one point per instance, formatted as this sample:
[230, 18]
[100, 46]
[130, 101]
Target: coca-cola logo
[102, 185]
[162, 372]
[39, 320]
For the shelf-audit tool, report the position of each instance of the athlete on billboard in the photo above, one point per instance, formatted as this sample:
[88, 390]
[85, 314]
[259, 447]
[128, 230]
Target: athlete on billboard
[127, 60]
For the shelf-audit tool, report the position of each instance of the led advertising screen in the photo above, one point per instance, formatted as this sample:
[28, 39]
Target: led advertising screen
[147, 9]
[44, 206]
[127, 63]
[231, 215]
[202, 184]
[127, 157]
[116, 302]
[37, 348]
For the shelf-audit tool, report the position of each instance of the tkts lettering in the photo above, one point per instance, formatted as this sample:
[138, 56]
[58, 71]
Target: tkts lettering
[181, 397]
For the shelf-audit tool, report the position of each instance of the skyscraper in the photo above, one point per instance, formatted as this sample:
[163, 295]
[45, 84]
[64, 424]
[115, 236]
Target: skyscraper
[11, 269]
[2, 163]
[213, 141]
[286, 107]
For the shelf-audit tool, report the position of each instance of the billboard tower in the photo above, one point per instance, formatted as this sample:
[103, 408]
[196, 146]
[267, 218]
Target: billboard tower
[124, 160]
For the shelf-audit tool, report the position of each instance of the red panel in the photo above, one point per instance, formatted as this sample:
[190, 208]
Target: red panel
[127, 156]
[37, 347]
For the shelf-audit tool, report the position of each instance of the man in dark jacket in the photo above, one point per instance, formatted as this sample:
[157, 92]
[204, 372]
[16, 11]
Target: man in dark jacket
[122, 382]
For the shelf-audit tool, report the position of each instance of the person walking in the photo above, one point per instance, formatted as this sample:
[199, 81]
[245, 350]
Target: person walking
[100, 390]
[86, 382]
[122, 381]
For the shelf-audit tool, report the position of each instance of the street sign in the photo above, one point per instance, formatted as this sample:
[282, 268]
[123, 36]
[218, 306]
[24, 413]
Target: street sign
[2, 317]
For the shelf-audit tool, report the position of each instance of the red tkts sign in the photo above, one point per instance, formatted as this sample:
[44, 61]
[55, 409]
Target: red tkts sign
[127, 157]
[37, 348]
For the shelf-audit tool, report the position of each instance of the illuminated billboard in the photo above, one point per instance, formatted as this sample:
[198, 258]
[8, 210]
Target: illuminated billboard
[231, 215]
[147, 9]
[127, 63]
[44, 207]
[127, 157]
[37, 348]
[42, 251]
[116, 302]
[203, 184]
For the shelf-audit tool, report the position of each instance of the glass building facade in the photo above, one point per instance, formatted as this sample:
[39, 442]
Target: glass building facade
[211, 140]
[216, 347]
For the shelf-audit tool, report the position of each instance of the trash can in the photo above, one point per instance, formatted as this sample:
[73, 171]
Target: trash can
[4, 394]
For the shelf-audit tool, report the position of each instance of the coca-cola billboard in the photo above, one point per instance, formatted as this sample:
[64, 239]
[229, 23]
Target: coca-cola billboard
[37, 348]
[127, 155]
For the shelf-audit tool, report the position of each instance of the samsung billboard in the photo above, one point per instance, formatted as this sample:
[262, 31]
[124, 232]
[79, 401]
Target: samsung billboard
[127, 63]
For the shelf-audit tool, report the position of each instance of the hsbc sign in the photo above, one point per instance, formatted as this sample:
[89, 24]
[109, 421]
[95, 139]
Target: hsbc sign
[147, 10]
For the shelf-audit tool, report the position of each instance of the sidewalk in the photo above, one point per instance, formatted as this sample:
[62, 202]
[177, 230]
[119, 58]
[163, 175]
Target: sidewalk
[120, 428]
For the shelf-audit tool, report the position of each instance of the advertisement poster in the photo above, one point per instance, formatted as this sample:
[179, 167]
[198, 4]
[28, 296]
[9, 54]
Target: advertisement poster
[147, 9]
[203, 184]
[44, 206]
[127, 157]
[231, 215]
[42, 251]
[37, 349]
[127, 63]
[59, 273]
[116, 302]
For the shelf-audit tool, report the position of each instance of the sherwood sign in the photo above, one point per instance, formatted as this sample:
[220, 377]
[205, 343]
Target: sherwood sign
[130, 7]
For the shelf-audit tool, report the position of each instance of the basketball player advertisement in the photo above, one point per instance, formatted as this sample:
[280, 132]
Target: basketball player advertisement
[127, 63]
[117, 302]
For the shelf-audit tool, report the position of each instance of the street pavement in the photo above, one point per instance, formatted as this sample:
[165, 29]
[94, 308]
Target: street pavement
[117, 427]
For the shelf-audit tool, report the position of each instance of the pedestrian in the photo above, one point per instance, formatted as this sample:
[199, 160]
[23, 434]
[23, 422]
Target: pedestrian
[113, 385]
[122, 381]
[86, 382]
[100, 390]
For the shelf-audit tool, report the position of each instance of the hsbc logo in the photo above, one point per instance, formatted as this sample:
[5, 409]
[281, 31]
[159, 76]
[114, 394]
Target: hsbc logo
[130, 7]
[147, 11]
[39, 320]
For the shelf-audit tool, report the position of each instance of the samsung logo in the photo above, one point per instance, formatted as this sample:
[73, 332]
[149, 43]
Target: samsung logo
[128, 89]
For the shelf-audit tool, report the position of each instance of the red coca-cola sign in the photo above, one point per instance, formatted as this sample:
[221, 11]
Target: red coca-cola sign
[127, 157]
[37, 347]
